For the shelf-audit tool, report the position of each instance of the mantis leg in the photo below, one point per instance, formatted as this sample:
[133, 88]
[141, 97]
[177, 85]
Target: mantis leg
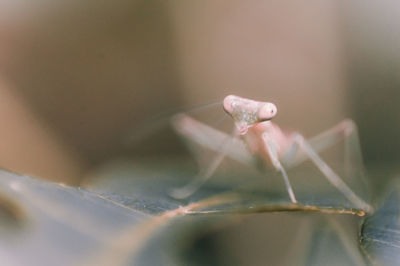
[272, 151]
[212, 138]
[345, 131]
[287, 183]
[185, 126]
[199, 179]
[330, 175]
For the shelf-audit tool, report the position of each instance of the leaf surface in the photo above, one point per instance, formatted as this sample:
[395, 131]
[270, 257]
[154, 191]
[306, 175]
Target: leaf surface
[380, 235]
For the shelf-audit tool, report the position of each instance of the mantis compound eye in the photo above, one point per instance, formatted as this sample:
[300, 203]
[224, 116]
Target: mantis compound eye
[228, 103]
[267, 111]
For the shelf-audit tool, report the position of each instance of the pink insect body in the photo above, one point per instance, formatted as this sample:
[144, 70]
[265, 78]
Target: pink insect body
[256, 142]
[253, 122]
[262, 138]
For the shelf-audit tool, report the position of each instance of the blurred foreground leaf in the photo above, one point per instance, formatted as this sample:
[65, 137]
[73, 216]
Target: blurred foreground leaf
[316, 239]
[334, 241]
[48, 224]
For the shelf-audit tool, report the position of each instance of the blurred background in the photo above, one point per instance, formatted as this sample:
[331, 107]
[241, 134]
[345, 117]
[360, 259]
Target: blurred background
[84, 82]
[78, 78]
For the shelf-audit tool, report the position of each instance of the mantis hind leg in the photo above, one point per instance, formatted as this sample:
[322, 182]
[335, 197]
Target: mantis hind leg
[345, 131]
[309, 152]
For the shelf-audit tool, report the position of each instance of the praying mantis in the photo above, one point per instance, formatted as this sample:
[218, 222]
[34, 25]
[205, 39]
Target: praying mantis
[262, 138]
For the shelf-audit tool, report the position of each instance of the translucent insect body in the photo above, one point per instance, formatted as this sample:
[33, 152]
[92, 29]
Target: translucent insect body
[265, 139]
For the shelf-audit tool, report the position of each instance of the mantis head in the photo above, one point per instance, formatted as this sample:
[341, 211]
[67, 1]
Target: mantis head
[246, 112]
